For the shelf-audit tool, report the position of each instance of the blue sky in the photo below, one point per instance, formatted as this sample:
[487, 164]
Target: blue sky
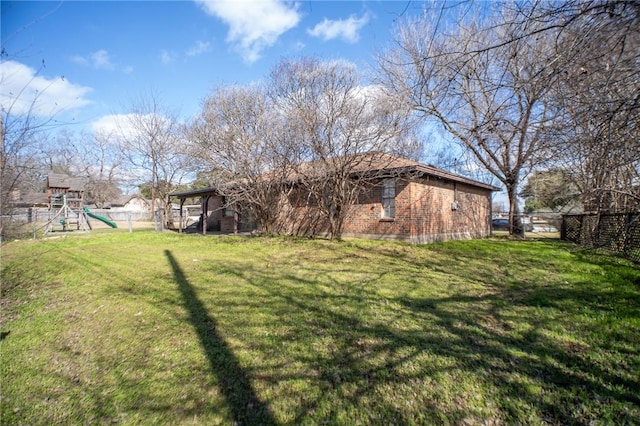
[99, 56]
[87, 62]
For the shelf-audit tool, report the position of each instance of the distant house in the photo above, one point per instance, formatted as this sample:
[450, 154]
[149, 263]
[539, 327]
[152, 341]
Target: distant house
[130, 202]
[29, 199]
[404, 200]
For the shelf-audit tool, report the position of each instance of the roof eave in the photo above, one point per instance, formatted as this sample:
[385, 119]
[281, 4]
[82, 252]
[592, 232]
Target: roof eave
[195, 192]
[430, 171]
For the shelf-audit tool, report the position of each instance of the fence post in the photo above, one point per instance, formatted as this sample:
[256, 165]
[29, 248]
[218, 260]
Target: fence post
[159, 220]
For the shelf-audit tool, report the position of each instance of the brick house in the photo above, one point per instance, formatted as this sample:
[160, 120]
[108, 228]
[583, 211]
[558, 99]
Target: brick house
[405, 200]
[400, 200]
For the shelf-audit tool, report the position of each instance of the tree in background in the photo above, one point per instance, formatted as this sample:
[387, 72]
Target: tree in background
[532, 85]
[485, 82]
[552, 189]
[204, 179]
[599, 97]
[153, 143]
[334, 119]
[24, 131]
[103, 172]
[242, 137]
[306, 129]
[93, 157]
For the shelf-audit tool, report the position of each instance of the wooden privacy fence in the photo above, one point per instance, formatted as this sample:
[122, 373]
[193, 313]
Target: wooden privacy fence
[615, 232]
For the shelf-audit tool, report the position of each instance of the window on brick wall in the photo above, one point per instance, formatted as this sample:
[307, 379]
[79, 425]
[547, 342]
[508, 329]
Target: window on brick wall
[229, 210]
[388, 198]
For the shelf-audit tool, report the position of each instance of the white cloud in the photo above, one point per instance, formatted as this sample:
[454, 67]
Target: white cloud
[99, 59]
[166, 57]
[125, 126]
[23, 91]
[113, 124]
[253, 25]
[347, 29]
[198, 48]
[80, 60]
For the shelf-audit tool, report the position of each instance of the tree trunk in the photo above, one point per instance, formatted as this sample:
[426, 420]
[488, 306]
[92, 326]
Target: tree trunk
[331, 227]
[153, 192]
[169, 213]
[515, 221]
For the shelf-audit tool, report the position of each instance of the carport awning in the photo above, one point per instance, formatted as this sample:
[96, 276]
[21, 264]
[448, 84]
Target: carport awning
[202, 192]
[205, 193]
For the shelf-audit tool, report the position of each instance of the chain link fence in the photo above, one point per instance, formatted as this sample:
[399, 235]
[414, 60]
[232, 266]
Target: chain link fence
[617, 233]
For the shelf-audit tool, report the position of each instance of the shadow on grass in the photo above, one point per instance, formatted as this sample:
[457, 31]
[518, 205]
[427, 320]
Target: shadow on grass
[507, 339]
[245, 406]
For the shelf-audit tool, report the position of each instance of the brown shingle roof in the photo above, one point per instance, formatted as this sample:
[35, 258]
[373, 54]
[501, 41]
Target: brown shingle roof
[379, 163]
[376, 163]
[62, 181]
[32, 199]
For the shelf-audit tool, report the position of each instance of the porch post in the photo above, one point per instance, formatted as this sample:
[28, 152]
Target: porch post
[205, 211]
[181, 204]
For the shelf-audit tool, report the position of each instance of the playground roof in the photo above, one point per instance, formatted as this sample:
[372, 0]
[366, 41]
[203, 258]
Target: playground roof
[62, 181]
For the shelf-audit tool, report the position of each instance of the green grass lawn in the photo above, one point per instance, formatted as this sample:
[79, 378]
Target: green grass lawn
[147, 328]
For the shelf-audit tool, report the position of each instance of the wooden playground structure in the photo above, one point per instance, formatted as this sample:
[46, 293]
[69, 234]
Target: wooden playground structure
[66, 205]
[66, 200]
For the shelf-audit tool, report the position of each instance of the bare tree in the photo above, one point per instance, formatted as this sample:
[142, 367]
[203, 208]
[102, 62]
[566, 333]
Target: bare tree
[486, 84]
[94, 157]
[243, 140]
[102, 170]
[335, 118]
[23, 131]
[595, 92]
[304, 131]
[27, 118]
[599, 97]
[21, 164]
[153, 143]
